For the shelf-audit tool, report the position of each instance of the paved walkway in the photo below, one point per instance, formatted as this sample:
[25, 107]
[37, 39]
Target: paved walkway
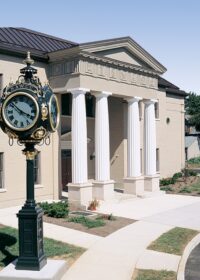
[74, 237]
[116, 256]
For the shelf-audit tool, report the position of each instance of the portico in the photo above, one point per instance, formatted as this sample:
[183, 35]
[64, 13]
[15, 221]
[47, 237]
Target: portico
[122, 151]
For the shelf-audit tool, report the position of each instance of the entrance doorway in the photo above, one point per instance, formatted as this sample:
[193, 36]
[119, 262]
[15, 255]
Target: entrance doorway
[66, 162]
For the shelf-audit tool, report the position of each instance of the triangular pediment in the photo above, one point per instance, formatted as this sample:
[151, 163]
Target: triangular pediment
[124, 50]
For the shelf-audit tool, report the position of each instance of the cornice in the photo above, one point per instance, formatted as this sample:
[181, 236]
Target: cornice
[114, 62]
[129, 44]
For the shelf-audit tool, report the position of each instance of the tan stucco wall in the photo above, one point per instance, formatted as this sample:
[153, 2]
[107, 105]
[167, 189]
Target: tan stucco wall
[172, 154]
[14, 161]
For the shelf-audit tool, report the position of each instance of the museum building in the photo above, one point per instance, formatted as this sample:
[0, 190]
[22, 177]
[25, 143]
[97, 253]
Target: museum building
[121, 123]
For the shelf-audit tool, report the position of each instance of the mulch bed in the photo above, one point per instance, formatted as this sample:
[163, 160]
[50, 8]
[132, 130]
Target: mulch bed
[110, 226]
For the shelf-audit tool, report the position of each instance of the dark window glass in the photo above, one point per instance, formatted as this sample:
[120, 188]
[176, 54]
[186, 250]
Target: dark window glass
[156, 110]
[141, 161]
[1, 84]
[90, 105]
[1, 171]
[157, 160]
[66, 104]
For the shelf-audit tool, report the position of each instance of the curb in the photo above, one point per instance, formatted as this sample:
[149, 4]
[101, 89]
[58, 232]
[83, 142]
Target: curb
[191, 245]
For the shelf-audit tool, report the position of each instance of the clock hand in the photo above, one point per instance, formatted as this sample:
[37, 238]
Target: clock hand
[20, 111]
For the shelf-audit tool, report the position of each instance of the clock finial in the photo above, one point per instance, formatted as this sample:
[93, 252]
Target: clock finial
[28, 71]
[28, 60]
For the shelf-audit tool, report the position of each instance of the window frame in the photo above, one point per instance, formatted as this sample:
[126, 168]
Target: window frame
[2, 183]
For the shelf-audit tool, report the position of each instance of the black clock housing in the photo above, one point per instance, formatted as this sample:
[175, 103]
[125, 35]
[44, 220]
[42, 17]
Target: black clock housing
[28, 110]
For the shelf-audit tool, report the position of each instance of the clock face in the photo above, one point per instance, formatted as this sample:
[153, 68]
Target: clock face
[20, 111]
[54, 112]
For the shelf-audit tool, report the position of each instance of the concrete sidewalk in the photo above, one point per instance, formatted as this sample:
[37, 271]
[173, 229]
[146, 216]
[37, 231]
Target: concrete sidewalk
[67, 235]
[117, 255]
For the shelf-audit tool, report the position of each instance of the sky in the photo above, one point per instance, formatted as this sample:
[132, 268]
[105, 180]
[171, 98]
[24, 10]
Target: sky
[168, 29]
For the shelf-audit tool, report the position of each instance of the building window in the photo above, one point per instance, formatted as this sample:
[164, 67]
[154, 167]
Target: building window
[156, 110]
[1, 84]
[141, 162]
[37, 179]
[157, 160]
[66, 104]
[140, 109]
[90, 105]
[1, 171]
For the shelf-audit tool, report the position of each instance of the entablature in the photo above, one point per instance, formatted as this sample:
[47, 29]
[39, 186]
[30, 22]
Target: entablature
[105, 68]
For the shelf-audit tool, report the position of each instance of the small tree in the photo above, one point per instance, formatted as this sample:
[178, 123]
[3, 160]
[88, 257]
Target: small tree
[192, 107]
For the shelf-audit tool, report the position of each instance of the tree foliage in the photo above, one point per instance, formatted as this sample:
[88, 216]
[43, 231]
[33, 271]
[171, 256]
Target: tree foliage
[192, 107]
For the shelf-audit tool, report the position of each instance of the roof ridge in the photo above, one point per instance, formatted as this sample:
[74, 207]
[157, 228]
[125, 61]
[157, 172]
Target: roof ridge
[23, 29]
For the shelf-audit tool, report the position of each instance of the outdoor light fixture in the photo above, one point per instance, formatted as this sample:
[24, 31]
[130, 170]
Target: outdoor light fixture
[29, 112]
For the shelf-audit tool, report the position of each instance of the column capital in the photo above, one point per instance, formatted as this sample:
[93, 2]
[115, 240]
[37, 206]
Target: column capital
[133, 99]
[101, 93]
[150, 101]
[78, 90]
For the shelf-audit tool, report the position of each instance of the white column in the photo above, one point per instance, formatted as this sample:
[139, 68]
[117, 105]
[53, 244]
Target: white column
[134, 183]
[80, 191]
[150, 138]
[134, 161]
[103, 186]
[79, 137]
[102, 137]
[151, 177]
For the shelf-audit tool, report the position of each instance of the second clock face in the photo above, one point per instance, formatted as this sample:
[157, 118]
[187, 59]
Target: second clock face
[20, 111]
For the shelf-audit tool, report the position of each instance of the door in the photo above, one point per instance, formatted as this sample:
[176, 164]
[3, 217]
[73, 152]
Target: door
[66, 162]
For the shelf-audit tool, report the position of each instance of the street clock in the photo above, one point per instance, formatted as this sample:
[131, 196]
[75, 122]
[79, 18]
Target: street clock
[29, 112]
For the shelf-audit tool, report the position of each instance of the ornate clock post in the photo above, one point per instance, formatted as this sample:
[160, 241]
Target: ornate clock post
[29, 112]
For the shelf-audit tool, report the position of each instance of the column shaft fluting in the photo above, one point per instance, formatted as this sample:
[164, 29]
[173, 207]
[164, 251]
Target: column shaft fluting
[134, 161]
[102, 138]
[150, 138]
[79, 137]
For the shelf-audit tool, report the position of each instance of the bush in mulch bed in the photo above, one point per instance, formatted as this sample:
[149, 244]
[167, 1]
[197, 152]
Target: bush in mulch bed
[55, 209]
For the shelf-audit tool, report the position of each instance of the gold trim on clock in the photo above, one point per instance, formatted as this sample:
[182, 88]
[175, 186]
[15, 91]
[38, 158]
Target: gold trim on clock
[58, 113]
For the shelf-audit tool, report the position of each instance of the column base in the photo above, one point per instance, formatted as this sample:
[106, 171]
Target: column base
[80, 195]
[152, 183]
[103, 190]
[134, 185]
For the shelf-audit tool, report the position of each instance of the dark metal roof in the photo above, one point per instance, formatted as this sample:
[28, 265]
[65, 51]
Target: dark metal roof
[170, 88]
[22, 39]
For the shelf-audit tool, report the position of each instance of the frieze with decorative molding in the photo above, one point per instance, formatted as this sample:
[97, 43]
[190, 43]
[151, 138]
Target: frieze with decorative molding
[101, 70]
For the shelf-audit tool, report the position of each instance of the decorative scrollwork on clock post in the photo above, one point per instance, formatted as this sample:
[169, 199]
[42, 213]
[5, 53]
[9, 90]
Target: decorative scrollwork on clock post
[29, 112]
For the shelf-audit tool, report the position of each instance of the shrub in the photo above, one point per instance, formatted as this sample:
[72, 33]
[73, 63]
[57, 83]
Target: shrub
[169, 189]
[55, 209]
[189, 172]
[192, 173]
[168, 181]
[195, 160]
[89, 223]
[93, 204]
[177, 175]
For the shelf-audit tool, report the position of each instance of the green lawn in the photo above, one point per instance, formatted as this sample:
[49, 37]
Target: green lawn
[155, 275]
[52, 248]
[173, 241]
